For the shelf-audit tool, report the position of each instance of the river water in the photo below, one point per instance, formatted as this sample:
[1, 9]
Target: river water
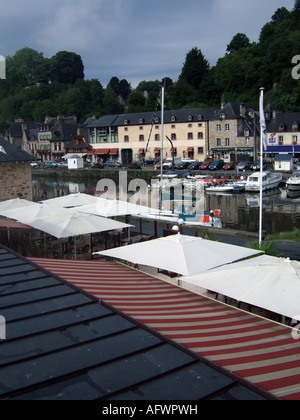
[239, 211]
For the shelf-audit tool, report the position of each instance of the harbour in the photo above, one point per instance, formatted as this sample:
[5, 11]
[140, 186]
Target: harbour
[281, 211]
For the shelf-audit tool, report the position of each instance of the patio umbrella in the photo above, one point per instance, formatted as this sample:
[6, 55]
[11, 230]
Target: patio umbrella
[34, 212]
[111, 208]
[14, 204]
[181, 254]
[266, 282]
[71, 200]
[72, 224]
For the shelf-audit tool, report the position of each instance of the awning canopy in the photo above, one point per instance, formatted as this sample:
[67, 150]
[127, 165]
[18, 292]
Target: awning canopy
[114, 151]
[181, 254]
[266, 282]
[254, 348]
[101, 151]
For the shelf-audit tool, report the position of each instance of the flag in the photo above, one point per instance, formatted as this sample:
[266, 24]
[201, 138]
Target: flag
[263, 126]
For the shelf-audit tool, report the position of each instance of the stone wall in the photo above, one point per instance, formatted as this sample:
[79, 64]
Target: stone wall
[15, 179]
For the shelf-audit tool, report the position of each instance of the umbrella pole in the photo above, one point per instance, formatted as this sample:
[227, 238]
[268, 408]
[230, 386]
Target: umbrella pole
[75, 254]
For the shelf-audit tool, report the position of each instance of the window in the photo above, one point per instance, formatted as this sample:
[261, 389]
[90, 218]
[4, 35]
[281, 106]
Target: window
[227, 142]
[200, 151]
[126, 139]
[190, 125]
[294, 139]
[280, 139]
[142, 137]
[190, 136]
[247, 141]
[173, 127]
[295, 126]
[218, 127]
[219, 142]
[141, 128]
[157, 137]
[227, 127]
[200, 136]
[173, 136]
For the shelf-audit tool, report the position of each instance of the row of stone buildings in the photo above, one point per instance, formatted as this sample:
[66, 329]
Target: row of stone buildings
[231, 133]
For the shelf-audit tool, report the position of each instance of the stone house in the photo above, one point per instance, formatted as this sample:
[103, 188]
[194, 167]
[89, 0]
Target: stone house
[131, 137]
[234, 133]
[15, 169]
[283, 133]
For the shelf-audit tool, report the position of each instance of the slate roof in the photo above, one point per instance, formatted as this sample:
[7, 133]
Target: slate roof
[11, 153]
[62, 343]
[147, 117]
[286, 120]
[64, 132]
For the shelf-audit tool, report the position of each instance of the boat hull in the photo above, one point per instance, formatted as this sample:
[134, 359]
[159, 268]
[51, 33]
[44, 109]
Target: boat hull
[270, 182]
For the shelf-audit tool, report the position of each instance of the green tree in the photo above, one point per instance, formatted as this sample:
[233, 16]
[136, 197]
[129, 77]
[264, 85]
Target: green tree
[22, 69]
[194, 68]
[66, 67]
[238, 41]
[110, 103]
[136, 101]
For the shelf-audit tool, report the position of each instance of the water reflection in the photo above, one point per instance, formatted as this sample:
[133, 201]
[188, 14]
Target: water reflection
[238, 211]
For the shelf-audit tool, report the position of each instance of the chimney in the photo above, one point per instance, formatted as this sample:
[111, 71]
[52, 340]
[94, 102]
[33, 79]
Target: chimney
[80, 131]
[242, 109]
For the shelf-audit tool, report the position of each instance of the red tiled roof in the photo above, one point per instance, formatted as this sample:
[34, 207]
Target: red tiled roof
[261, 351]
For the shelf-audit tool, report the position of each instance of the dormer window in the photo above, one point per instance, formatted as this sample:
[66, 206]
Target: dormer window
[190, 118]
[173, 119]
[200, 117]
[281, 128]
[141, 121]
[126, 122]
[295, 126]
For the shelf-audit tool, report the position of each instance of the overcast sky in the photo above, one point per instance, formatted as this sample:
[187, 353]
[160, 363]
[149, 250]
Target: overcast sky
[134, 40]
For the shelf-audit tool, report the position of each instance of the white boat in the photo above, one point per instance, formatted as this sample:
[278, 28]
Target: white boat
[293, 183]
[231, 188]
[270, 181]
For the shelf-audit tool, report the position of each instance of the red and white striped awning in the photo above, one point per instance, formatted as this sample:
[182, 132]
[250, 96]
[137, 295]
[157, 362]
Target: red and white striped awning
[259, 350]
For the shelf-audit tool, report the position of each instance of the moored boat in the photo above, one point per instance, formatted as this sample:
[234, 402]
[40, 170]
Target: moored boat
[231, 188]
[270, 181]
[293, 183]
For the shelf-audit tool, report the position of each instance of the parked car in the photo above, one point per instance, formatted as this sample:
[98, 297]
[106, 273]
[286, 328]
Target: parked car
[182, 165]
[62, 165]
[243, 166]
[113, 164]
[50, 164]
[256, 166]
[195, 165]
[229, 166]
[34, 165]
[204, 166]
[151, 161]
[216, 164]
[168, 163]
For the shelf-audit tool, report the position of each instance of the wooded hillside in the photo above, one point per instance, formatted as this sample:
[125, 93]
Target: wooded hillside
[36, 86]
